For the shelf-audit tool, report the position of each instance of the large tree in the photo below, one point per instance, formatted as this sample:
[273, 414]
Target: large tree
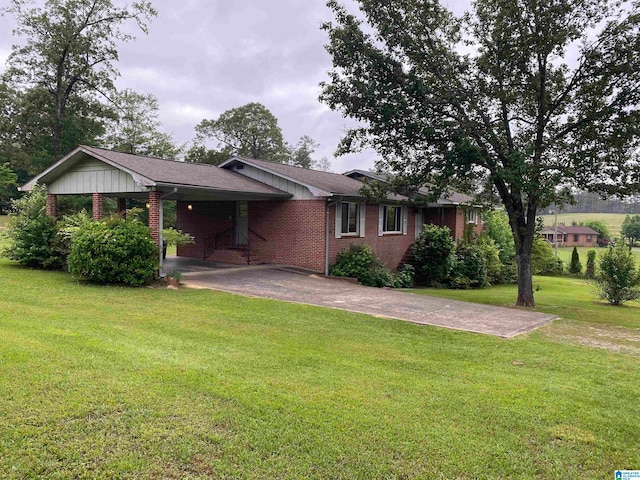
[532, 96]
[251, 130]
[137, 128]
[69, 53]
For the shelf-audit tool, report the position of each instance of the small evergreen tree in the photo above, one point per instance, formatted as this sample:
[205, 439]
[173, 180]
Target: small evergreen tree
[575, 266]
[591, 264]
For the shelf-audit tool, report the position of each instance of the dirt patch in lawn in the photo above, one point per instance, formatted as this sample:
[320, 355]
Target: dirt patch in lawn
[618, 339]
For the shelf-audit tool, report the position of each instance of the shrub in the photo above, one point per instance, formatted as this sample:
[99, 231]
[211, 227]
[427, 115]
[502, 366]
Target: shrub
[359, 262]
[591, 264]
[575, 266]
[469, 268]
[176, 237]
[31, 233]
[67, 229]
[618, 281]
[491, 255]
[542, 256]
[114, 251]
[432, 255]
[405, 277]
[496, 227]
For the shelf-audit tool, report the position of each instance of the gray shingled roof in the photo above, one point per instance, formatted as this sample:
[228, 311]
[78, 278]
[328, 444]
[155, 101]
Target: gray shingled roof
[331, 183]
[453, 197]
[170, 172]
[571, 230]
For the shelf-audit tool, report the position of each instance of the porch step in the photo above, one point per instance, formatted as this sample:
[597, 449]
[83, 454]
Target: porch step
[235, 256]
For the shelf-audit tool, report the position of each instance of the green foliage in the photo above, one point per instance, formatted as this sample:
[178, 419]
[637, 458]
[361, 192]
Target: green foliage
[405, 277]
[68, 227]
[31, 233]
[432, 254]
[251, 130]
[591, 264]
[631, 228]
[8, 181]
[618, 280]
[543, 260]
[66, 59]
[359, 262]
[575, 266]
[600, 227]
[495, 269]
[469, 267]
[520, 111]
[496, 227]
[176, 237]
[114, 251]
[136, 129]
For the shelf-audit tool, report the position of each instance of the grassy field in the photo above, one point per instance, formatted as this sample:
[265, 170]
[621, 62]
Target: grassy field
[3, 221]
[612, 220]
[147, 383]
[564, 254]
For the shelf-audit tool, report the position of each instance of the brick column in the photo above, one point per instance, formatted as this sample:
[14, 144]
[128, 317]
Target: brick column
[98, 206]
[122, 207]
[154, 215]
[52, 205]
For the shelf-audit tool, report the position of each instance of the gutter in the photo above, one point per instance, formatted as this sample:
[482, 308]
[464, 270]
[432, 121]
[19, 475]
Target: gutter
[326, 237]
[161, 227]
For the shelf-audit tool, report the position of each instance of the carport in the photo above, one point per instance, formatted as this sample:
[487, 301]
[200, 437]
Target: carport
[104, 173]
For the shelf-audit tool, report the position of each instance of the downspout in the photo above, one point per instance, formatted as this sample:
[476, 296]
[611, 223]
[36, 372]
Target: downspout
[326, 236]
[161, 226]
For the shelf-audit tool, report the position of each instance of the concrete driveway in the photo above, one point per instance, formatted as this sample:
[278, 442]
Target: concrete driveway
[290, 285]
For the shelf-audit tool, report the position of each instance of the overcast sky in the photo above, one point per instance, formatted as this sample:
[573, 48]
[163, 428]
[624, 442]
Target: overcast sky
[202, 57]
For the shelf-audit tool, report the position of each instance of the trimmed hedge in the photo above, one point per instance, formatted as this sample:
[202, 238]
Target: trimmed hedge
[114, 251]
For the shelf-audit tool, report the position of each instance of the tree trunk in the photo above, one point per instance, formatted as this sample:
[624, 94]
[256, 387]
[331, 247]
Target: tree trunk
[525, 280]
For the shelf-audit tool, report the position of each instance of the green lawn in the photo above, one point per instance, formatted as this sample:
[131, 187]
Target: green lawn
[147, 383]
[3, 221]
[564, 254]
[612, 220]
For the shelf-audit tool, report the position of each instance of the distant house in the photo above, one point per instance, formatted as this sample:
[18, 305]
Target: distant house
[249, 211]
[571, 236]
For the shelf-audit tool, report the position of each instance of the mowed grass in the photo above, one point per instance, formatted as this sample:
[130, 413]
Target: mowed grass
[612, 220]
[3, 221]
[108, 382]
[564, 254]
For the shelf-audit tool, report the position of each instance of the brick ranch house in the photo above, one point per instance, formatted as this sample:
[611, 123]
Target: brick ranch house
[571, 236]
[249, 210]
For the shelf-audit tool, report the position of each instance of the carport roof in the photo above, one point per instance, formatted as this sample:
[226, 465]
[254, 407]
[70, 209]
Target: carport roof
[153, 172]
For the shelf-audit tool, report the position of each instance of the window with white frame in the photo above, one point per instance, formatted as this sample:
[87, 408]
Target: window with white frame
[472, 216]
[350, 218]
[391, 219]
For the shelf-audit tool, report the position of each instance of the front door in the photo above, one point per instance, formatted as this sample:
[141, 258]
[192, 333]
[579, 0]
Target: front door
[242, 224]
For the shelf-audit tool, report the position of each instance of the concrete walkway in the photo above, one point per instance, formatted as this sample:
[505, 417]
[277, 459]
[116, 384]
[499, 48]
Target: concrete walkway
[291, 285]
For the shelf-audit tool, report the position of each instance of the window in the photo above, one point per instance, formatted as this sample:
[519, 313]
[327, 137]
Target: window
[588, 238]
[350, 218]
[472, 216]
[392, 219]
[576, 238]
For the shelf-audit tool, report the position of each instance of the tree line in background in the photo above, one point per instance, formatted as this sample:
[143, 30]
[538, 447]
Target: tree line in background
[586, 202]
[58, 91]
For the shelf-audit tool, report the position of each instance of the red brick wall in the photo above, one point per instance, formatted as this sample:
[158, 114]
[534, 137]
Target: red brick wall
[293, 229]
[451, 217]
[52, 205]
[98, 206]
[582, 240]
[154, 214]
[203, 221]
[389, 248]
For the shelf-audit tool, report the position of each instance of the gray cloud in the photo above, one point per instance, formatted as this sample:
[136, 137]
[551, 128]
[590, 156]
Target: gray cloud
[202, 57]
